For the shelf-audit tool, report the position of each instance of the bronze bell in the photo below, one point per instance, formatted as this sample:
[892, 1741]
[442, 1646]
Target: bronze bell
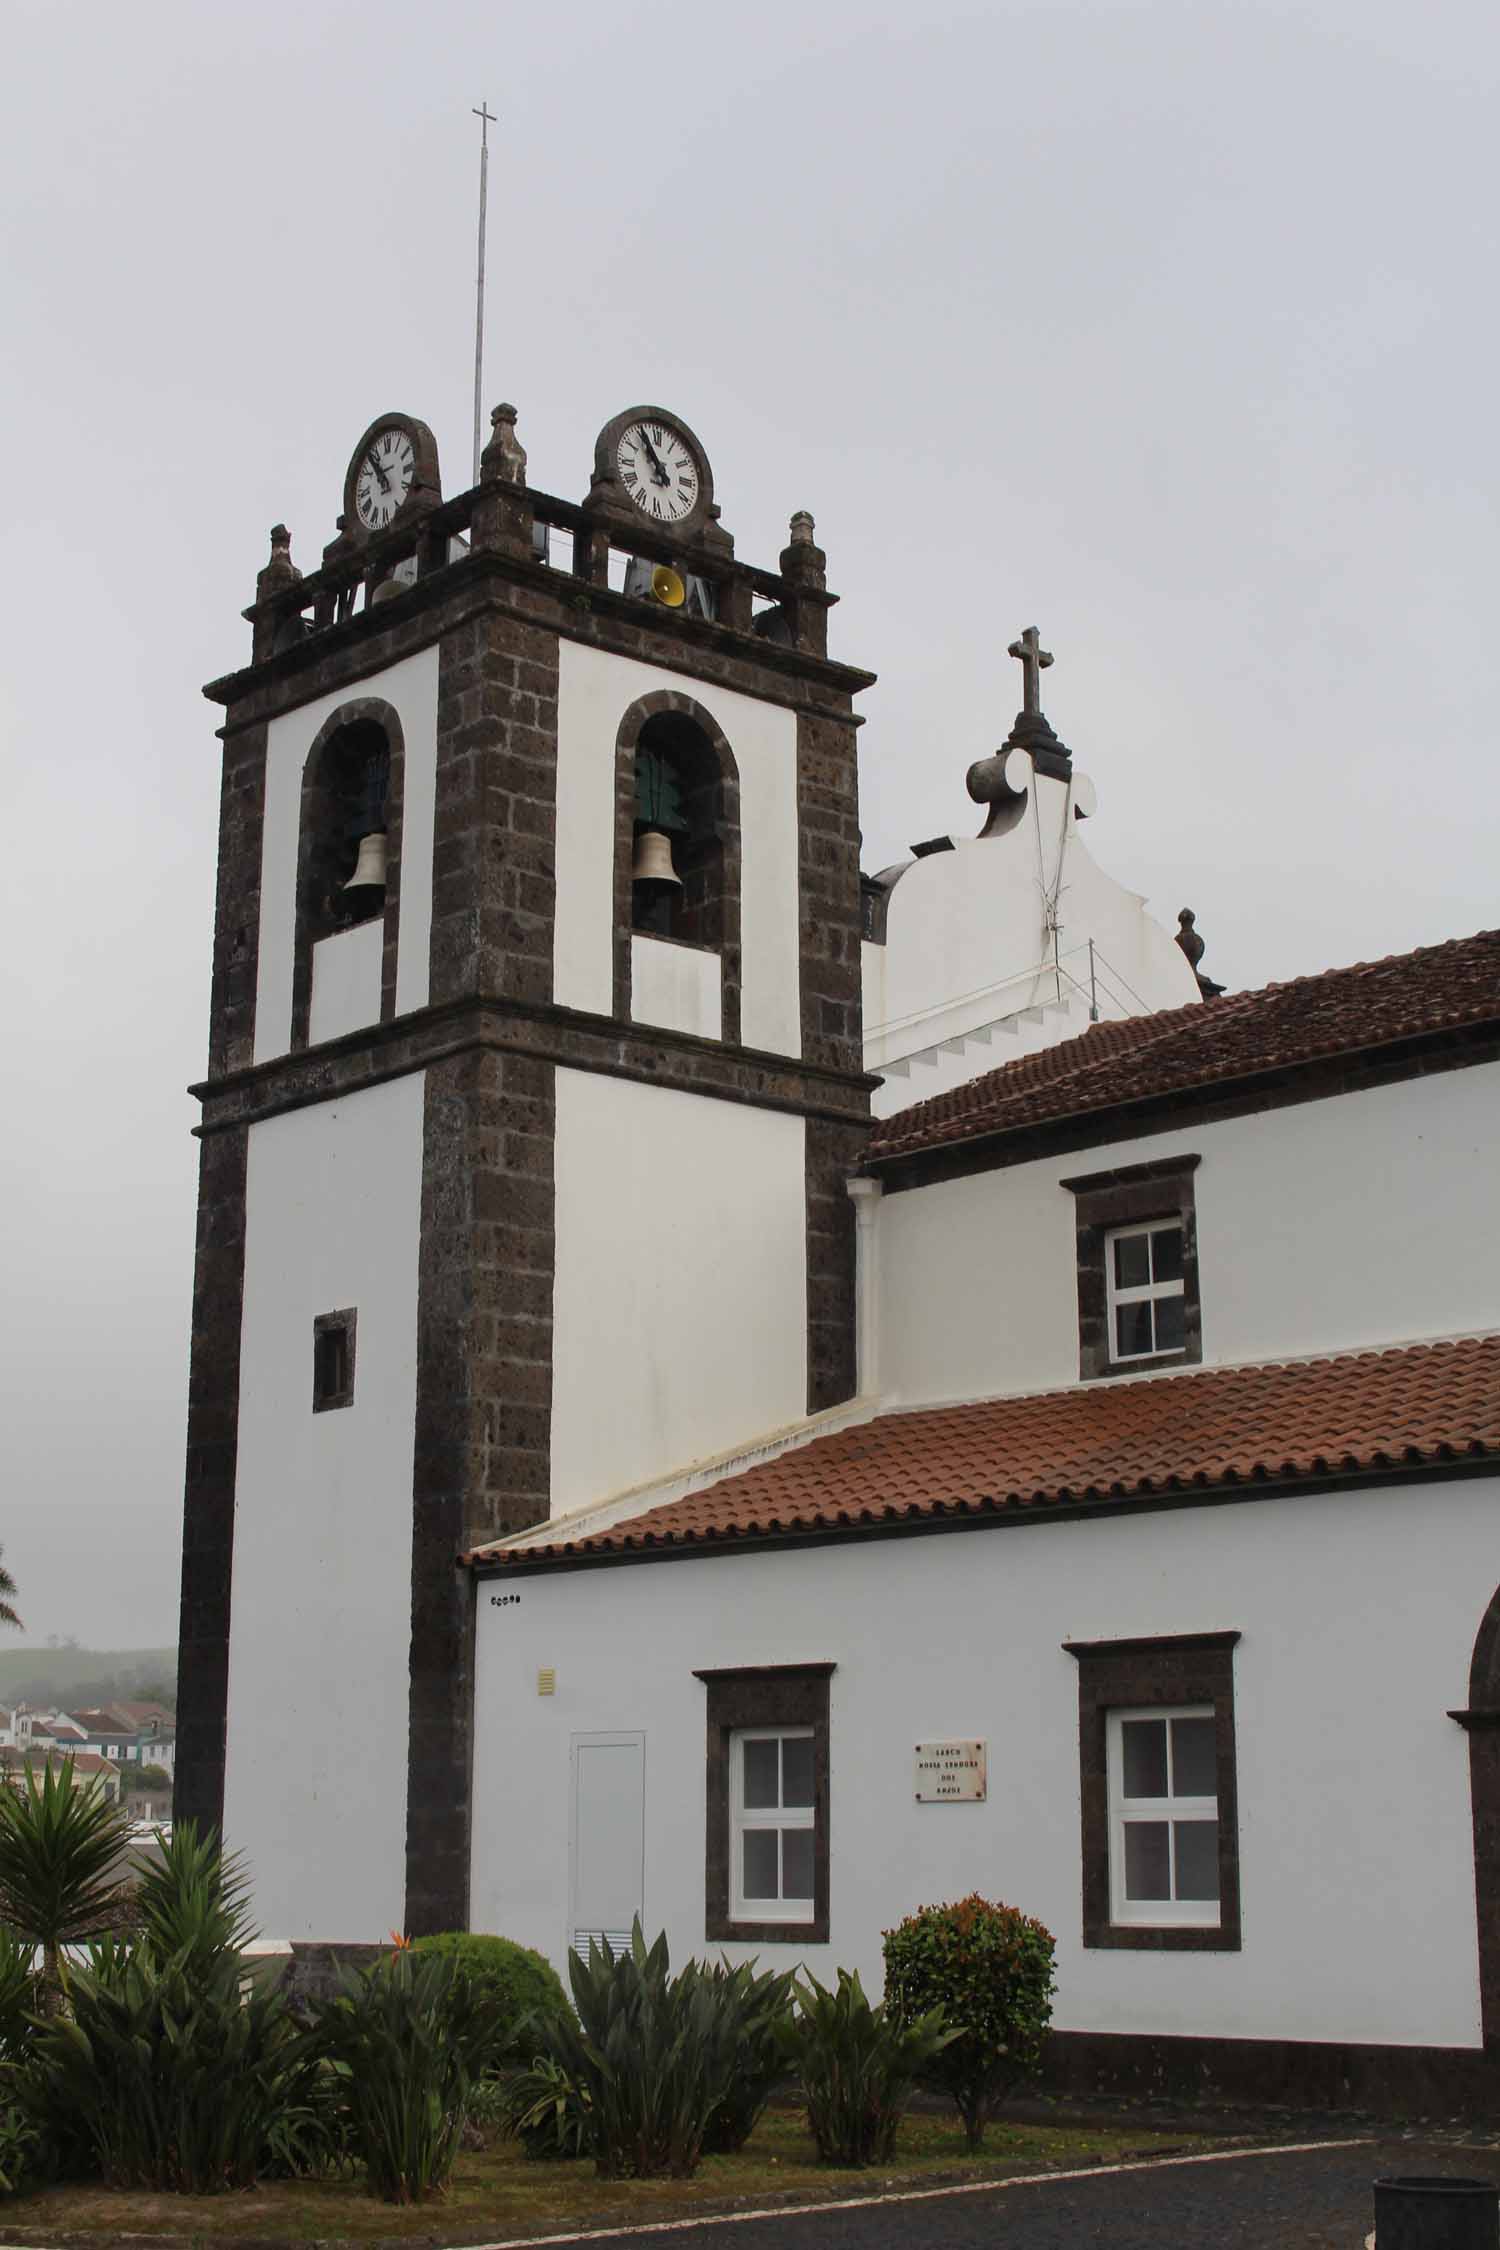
[653, 859]
[369, 870]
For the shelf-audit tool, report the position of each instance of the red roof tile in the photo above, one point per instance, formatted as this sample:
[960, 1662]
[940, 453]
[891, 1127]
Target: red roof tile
[1343, 1012]
[1214, 1429]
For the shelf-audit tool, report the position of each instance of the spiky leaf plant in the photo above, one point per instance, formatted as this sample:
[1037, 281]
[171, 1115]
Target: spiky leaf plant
[858, 2065]
[62, 1854]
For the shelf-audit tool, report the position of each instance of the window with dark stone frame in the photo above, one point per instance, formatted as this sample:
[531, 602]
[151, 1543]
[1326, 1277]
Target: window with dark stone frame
[333, 1360]
[748, 1699]
[1188, 1670]
[1134, 1196]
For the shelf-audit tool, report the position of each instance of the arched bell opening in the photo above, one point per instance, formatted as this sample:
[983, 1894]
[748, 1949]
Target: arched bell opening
[349, 852]
[677, 856]
[346, 862]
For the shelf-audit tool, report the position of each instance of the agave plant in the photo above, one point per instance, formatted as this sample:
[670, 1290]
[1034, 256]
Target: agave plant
[61, 1855]
[167, 2073]
[858, 2066]
[409, 2039]
[757, 2006]
[652, 2057]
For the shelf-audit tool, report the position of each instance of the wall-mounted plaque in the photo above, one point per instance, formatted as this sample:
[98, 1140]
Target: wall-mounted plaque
[950, 1773]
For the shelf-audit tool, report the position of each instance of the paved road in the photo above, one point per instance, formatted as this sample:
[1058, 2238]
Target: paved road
[1313, 2199]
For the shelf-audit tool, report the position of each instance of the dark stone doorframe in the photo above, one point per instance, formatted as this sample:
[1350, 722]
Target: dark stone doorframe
[1481, 1722]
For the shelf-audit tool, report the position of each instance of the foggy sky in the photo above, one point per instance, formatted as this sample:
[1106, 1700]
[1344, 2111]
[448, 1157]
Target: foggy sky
[1169, 328]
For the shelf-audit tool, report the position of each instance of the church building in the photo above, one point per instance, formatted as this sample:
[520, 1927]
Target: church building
[757, 1395]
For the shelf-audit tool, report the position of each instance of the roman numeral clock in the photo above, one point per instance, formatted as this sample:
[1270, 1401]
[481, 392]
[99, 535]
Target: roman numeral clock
[393, 467]
[650, 465]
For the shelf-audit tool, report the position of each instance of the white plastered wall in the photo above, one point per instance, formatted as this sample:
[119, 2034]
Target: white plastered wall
[594, 691]
[1358, 1614]
[968, 948]
[680, 1313]
[1368, 1218]
[316, 1780]
[411, 688]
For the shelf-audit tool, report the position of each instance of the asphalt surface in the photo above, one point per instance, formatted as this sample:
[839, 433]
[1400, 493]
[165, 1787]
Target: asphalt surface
[1310, 2199]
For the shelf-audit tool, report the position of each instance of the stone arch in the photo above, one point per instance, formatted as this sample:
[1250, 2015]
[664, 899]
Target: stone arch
[1481, 1722]
[721, 911]
[312, 819]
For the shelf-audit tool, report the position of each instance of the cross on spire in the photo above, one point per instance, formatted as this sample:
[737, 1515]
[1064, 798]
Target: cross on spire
[1034, 660]
[487, 118]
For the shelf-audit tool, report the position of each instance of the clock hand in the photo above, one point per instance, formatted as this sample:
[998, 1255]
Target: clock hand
[385, 482]
[656, 468]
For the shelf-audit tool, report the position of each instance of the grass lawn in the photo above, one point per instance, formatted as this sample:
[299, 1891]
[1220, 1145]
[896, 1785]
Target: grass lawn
[497, 2195]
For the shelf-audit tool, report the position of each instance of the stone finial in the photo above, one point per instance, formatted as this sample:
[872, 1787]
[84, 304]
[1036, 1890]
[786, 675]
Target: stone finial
[802, 528]
[340, 544]
[504, 458]
[1187, 937]
[280, 570]
[1031, 731]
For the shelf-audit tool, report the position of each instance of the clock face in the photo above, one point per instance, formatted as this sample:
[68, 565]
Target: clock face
[658, 471]
[384, 478]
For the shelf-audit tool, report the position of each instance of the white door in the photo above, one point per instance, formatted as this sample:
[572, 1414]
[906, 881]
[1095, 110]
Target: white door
[608, 1841]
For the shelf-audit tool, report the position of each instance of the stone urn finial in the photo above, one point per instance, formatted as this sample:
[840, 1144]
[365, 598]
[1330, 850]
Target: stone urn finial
[504, 458]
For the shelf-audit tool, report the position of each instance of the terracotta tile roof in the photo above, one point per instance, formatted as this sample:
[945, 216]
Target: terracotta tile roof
[1117, 1441]
[1242, 1035]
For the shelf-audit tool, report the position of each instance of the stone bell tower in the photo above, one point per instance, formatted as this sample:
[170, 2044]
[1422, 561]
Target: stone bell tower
[534, 1077]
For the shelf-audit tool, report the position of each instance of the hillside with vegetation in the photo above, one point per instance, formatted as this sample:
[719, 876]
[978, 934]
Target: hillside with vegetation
[58, 1677]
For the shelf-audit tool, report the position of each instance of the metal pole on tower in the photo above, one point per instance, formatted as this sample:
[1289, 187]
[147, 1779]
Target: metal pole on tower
[486, 120]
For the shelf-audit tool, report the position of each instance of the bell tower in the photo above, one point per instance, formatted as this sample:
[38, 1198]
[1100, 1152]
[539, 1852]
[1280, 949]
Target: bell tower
[534, 1079]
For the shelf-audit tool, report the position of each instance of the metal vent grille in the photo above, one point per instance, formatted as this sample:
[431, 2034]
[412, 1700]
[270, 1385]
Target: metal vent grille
[616, 1942]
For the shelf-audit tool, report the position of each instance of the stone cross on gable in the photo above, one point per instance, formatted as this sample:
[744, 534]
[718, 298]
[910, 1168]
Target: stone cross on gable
[1034, 660]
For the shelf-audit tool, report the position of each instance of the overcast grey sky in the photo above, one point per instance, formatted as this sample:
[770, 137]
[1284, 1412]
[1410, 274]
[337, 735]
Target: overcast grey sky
[1170, 328]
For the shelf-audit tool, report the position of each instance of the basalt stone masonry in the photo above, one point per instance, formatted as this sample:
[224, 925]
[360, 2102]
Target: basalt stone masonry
[491, 1038]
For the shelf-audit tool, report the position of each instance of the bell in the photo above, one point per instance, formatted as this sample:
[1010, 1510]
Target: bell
[369, 870]
[653, 859]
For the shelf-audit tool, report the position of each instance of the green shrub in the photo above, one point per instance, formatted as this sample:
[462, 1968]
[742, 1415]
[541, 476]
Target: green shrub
[409, 2038]
[546, 2111]
[650, 2055]
[990, 1969]
[523, 1984]
[20, 2143]
[165, 2074]
[758, 2008]
[857, 2064]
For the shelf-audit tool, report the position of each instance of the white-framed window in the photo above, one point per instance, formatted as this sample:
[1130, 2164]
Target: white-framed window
[1164, 1816]
[771, 1809]
[1144, 1278]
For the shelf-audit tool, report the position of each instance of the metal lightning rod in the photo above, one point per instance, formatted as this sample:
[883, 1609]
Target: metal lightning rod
[486, 120]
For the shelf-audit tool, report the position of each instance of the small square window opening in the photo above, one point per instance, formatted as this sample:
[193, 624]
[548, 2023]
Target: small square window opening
[333, 1360]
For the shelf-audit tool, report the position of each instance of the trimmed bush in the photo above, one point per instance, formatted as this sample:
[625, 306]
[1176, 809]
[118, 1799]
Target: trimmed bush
[521, 1984]
[990, 1969]
[858, 2065]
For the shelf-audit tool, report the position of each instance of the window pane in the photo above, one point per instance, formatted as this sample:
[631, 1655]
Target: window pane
[1132, 1261]
[1195, 1768]
[1144, 1744]
[1132, 1328]
[797, 1770]
[1147, 1874]
[1166, 1255]
[1197, 1844]
[761, 1773]
[797, 1863]
[760, 1863]
[1169, 1324]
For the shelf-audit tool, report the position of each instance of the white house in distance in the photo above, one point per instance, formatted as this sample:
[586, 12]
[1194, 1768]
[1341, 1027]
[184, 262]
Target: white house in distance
[1077, 1485]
